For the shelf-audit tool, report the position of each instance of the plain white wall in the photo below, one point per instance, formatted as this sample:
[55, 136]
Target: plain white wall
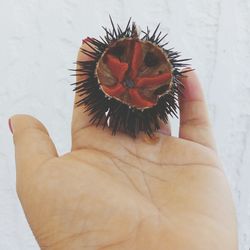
[39, 40]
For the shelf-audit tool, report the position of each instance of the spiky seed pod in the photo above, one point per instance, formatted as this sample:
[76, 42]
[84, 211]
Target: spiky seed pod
[131, 82]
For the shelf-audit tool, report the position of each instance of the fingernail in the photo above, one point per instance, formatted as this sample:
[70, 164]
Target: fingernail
[88, 39]
[10, 126]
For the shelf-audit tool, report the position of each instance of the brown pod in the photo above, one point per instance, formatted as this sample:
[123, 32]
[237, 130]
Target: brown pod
[134, 72]
[132, 82]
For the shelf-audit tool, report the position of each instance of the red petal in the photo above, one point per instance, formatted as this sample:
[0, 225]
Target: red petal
[136, 60]
[138, 100]
[153, 80]
[117, 68]
[116, 91]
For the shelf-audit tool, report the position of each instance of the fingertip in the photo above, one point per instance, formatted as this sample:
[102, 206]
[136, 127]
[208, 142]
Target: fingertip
[192, 86]
[84, 49]
[87, 39]
[20, 122]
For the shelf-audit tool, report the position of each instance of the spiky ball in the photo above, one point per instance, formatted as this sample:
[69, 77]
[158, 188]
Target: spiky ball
[131, 82]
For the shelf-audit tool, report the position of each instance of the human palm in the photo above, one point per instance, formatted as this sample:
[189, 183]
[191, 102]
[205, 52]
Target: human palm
[116, 192]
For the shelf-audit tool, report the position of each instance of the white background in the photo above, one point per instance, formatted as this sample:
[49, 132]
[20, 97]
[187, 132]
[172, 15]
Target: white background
[38, 44]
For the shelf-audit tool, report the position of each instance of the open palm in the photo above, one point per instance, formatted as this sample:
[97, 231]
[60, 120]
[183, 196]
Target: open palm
[115, 192]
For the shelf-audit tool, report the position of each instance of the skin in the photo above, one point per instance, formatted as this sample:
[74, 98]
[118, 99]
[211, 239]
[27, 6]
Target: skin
[115, 192]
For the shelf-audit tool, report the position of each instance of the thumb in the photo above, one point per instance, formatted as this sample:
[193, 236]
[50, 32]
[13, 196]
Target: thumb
[33, 146]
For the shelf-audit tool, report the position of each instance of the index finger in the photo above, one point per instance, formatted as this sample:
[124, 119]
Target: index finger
[80, 118]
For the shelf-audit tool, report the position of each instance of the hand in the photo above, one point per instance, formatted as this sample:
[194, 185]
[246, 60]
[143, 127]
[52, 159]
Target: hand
[114, 192]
